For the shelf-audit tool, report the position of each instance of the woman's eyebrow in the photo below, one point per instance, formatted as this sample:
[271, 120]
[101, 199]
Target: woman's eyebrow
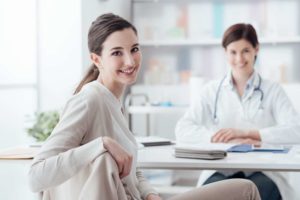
[116, 48]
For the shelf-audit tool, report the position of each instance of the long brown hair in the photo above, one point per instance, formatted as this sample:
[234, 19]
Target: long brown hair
[100, 29]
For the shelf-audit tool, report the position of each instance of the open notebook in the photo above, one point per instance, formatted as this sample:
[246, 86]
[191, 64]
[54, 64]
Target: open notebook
[208, 151]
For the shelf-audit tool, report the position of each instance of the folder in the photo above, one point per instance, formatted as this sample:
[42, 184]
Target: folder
[243, 148]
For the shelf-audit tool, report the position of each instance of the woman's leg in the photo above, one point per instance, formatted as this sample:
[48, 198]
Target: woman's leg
[233, 189]
[217, 176]
[103, 181]
[267, 188]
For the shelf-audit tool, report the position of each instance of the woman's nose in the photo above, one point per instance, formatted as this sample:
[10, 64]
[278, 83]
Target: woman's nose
[240, 57]
[129, 60]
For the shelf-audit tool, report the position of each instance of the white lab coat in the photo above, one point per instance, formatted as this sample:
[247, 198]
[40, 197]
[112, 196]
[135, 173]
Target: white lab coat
[277, 121]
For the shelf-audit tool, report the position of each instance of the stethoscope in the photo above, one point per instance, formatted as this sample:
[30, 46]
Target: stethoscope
[257, 88]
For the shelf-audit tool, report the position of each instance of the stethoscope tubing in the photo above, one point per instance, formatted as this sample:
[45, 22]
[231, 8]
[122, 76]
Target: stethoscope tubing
[258, 88]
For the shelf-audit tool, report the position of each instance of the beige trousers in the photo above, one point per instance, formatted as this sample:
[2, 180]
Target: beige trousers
[104, 182]
[233, 189]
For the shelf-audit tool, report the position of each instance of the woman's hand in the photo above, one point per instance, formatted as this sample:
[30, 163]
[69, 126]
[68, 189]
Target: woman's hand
[120, 155]
[228, 134]
[153, 197]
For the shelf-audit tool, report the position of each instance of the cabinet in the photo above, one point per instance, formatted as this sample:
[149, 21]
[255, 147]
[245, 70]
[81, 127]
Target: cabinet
[182, 39]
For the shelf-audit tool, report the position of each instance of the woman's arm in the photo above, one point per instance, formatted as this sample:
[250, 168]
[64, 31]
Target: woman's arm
[146, 190]
[62, 155]
[120, 155]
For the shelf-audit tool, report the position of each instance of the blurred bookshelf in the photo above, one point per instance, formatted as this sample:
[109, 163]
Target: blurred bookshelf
[181, 39]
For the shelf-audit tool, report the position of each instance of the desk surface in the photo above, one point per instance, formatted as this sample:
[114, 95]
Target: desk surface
[162, 157]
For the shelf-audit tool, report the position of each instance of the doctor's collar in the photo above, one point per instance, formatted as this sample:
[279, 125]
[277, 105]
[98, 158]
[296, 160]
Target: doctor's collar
[255, 80]
[252, 82]
[228, 82]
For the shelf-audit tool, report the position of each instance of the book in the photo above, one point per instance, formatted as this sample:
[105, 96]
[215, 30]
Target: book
[18, 153]
[153, 141]
[207, 151]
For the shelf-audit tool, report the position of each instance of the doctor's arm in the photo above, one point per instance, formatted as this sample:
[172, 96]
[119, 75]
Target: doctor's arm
[191, 127]
[287, 129]
[233, 135]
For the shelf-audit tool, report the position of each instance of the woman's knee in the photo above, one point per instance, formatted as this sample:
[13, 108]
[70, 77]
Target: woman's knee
[106, 162]
[244, 183]
[248, 187]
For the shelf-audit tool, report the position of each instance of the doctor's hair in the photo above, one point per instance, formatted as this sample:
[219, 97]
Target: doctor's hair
[240, 31]
[100, 29]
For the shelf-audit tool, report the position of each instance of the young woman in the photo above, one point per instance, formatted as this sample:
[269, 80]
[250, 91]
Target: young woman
[91, 153]
[243, 108]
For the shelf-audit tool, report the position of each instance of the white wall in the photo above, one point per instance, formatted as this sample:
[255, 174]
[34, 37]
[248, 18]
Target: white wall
[18, 69]
[59, 64]
[59, 50]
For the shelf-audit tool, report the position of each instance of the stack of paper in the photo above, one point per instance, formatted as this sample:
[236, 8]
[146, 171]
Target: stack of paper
[210, 151]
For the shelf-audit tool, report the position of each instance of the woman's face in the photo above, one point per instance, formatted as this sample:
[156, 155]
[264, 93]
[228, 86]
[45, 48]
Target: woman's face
[241, 56]
[120, 59]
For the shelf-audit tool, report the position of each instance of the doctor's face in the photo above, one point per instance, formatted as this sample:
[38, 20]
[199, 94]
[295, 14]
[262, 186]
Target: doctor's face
[241, 56]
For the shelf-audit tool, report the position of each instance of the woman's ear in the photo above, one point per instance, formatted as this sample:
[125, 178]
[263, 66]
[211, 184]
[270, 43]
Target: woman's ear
[257, 49]
[96, 59]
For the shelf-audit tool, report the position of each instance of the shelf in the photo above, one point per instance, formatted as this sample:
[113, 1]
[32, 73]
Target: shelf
[156, 109]
[214, 42]
[183, 42]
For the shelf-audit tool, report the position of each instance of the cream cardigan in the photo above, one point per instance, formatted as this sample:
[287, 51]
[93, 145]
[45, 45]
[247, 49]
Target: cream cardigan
[61, 167]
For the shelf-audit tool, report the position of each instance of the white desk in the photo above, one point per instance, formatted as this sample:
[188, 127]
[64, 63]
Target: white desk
[162, 157]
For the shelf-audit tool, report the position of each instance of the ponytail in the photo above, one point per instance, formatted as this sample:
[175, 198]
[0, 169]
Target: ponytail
[91, 75]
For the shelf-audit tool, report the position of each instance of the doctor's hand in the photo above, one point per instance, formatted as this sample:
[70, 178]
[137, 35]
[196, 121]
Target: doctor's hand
[120, 155]
[228, 134]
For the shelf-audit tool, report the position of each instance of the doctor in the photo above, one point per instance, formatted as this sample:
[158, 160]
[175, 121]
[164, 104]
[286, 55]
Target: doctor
[242, 107]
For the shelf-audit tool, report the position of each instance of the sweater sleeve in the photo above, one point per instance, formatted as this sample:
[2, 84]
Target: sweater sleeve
[144, 186]
[62, 155]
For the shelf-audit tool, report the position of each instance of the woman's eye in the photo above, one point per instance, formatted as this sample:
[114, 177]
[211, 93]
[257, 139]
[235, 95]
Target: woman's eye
[117, 53]
[135, 49]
